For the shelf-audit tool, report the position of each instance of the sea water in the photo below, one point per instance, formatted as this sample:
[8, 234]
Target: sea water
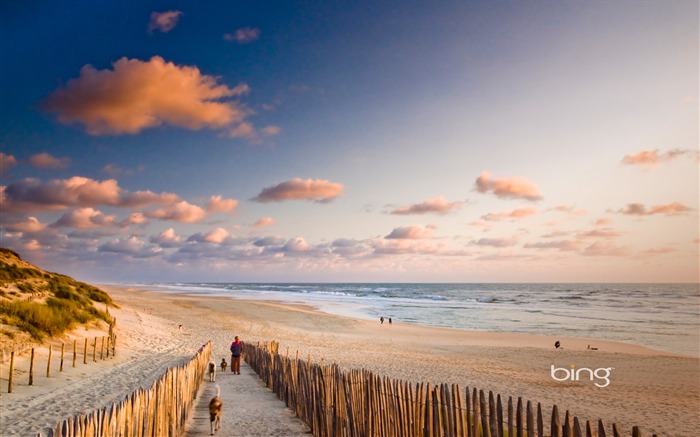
[660, 316]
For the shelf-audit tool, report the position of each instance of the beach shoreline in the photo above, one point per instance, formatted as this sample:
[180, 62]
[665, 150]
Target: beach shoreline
[655, 390]
[463, 336]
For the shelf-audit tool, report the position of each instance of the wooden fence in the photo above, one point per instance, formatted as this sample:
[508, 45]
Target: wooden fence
[358, 403]
[89, 350]
[161, 410]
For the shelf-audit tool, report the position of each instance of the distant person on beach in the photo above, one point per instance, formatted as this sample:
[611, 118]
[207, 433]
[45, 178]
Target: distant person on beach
[390, 320]
[236, 348]
[381, 320]
[557, 344]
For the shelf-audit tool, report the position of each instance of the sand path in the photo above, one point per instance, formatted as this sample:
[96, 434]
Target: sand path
[250, 409]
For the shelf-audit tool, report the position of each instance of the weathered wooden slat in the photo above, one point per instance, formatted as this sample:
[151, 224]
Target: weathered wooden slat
[566, 426]
[499, 407]
[530, 419]
[519, 425]
[555, 430]
[577, 428]
[511, 417]
[486, 432]
[493, 416]
[616, 432]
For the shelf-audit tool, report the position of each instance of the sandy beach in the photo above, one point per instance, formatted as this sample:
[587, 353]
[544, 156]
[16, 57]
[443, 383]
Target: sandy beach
[657, 391]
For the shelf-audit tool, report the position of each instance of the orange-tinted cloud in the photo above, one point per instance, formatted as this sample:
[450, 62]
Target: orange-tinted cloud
[570, 210]
[675, 208]
[167, 238]
[599, 233]
[6, 162]
[135, 218]
[508, 188]
[405, 247]
[516, 214]
[31, 194]
[28, 225]
[147, 198]
[219, 204]
[411, 233]
[127, 245]
[482, 224]
[85, 218]
[243, 130]
[137, 94]
[296, 245]
[603, 221]
[652, 158]
[264, 221]
[318, 190]
[164, 21]
[45, 160]
[217, 236]
[436, 205]
[180, 212]
[34, 195]
[271, 131]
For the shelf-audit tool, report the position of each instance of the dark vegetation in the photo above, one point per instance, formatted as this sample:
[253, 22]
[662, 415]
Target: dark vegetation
[43, 303]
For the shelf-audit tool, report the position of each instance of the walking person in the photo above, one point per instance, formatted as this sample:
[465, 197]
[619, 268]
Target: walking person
[236, 349]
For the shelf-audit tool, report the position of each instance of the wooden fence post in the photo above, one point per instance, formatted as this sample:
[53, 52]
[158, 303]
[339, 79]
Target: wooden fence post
[102, 348]
[48, 364]
[75, 351]
[601, 428]
[12, 371]
[555, 423]
[31, 369]
[85, 352]
[63, 349]
[94, 351]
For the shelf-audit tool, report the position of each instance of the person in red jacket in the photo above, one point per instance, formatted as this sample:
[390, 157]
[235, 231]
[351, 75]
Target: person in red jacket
[236, 350]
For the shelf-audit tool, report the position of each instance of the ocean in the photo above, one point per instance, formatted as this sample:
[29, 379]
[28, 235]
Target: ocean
[660, 316]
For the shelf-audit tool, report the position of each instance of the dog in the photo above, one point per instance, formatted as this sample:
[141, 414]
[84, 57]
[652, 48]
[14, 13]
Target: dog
[592, 348]
[223, 364]
[215, 406]
[212, 371]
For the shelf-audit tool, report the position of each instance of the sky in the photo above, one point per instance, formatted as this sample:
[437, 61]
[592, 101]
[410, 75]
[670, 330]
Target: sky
[285, 141]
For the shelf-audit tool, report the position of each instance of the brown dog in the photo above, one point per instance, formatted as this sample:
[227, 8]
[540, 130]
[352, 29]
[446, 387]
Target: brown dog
[215, 406]
[212, 371]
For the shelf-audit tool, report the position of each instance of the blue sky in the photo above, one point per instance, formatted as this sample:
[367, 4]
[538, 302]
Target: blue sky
[352, 141]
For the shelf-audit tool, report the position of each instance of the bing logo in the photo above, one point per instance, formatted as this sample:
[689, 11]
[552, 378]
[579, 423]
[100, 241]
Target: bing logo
[601, 376]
